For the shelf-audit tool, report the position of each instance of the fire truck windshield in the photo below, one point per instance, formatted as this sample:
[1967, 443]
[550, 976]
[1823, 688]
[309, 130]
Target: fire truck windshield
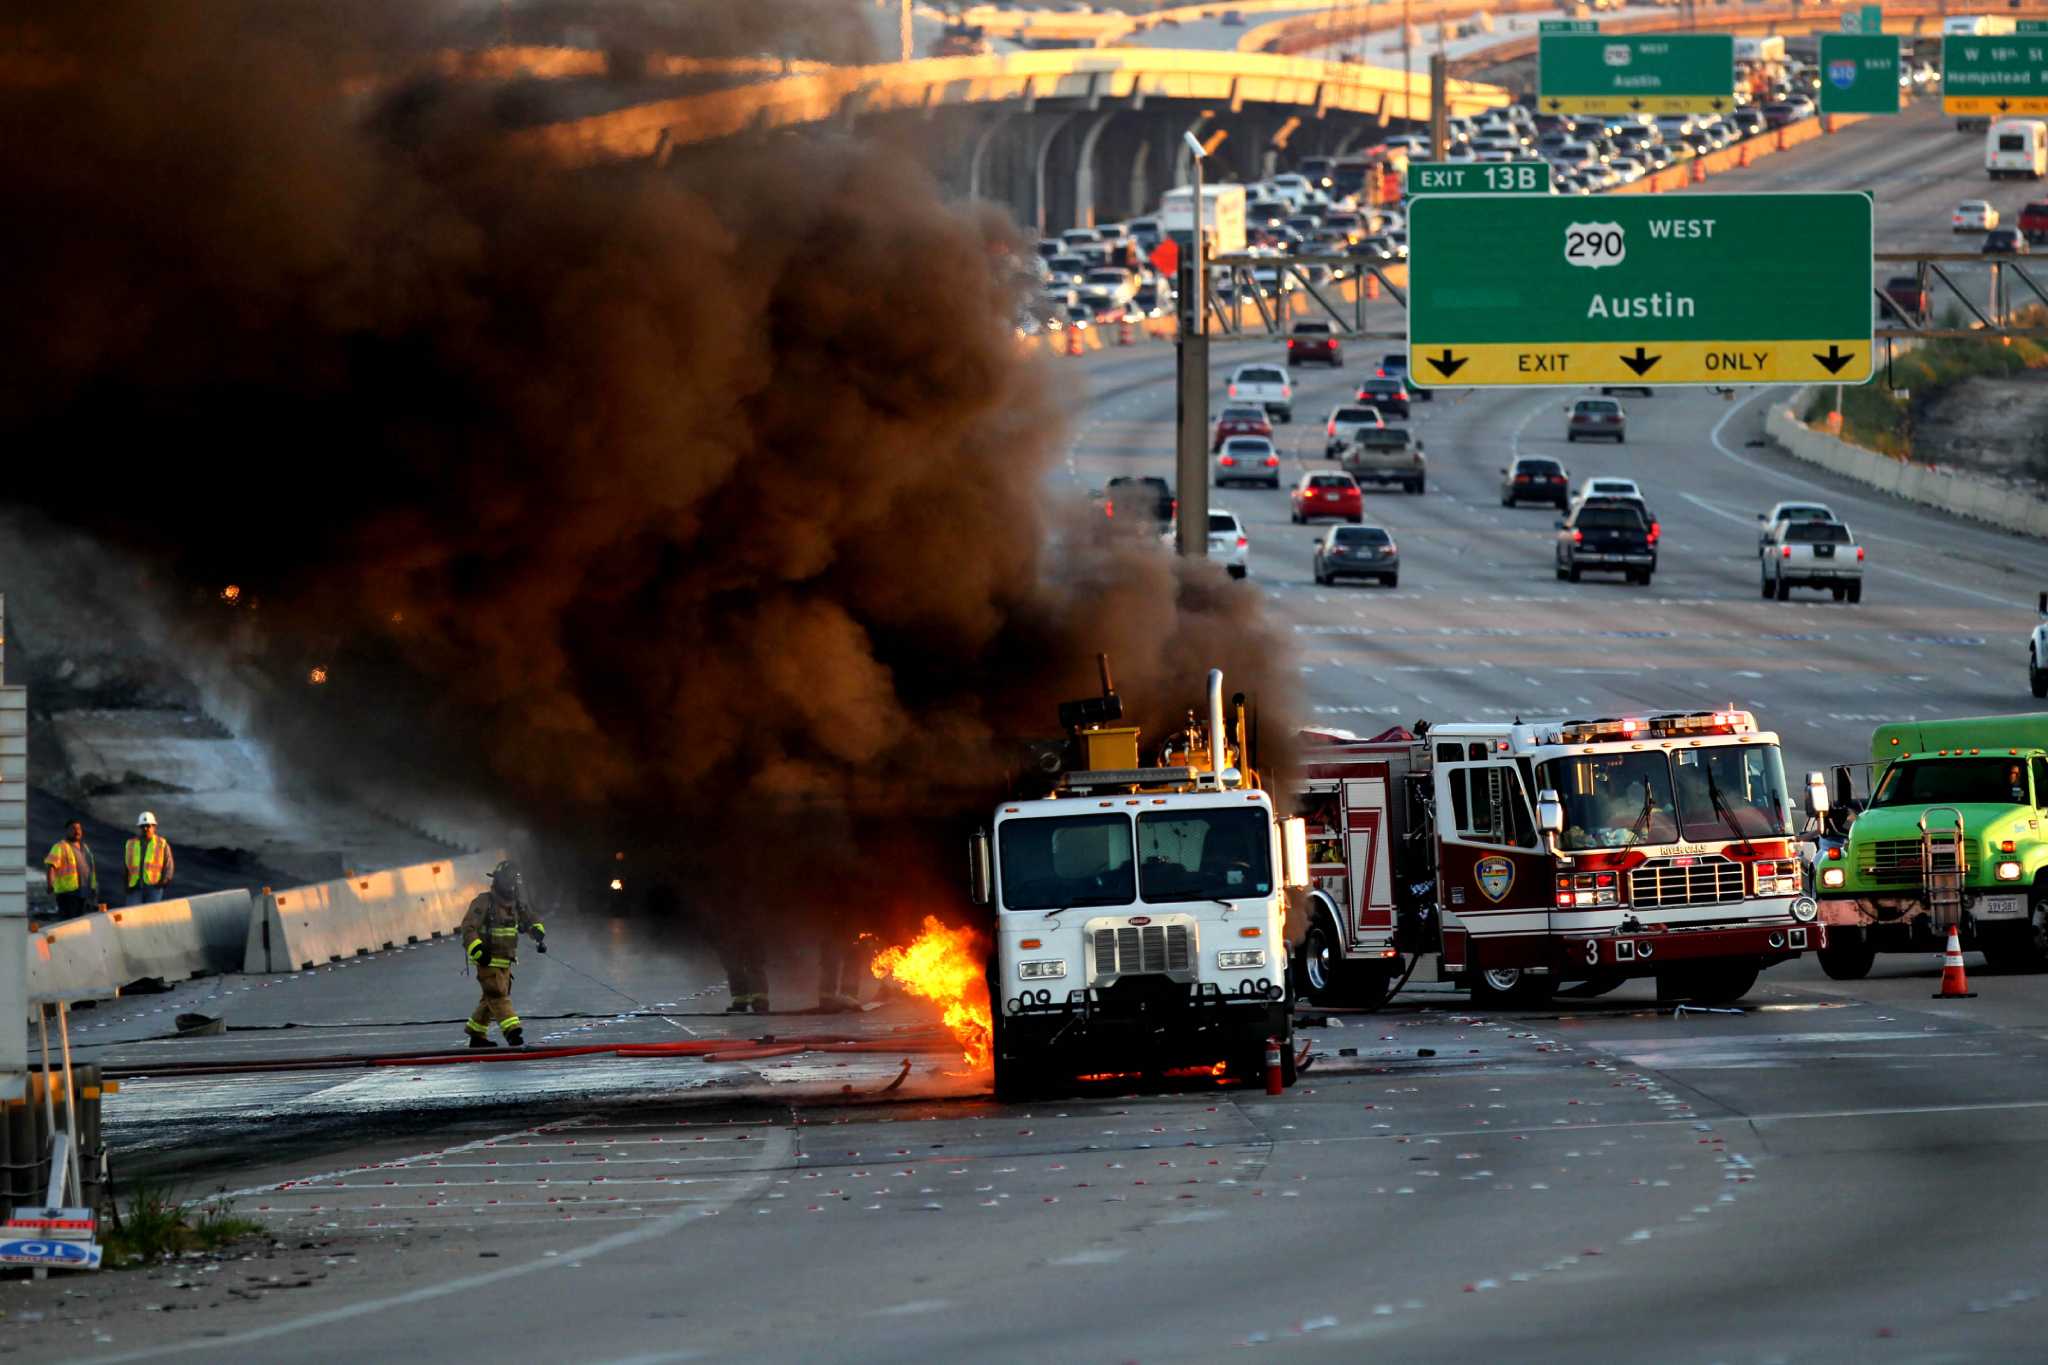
[1198, 855]
[1660, 797]
[1058, 862]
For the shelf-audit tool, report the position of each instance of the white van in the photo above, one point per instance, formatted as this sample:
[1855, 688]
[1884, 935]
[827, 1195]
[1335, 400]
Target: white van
[2016, 146]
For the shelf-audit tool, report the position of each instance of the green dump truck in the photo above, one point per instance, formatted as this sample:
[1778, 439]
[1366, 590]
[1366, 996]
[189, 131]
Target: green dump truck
[1955, 833]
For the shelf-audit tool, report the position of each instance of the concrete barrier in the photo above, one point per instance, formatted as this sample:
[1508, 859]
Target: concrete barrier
[96, 956]
[1964, 495]
[304, 926]
[75, 960]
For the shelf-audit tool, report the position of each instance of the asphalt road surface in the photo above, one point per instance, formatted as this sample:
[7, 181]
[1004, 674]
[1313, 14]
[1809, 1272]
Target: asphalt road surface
[1840, 1171]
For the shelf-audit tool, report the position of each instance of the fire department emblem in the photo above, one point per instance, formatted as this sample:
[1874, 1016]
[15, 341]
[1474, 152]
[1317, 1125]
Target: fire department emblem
[1495, 876]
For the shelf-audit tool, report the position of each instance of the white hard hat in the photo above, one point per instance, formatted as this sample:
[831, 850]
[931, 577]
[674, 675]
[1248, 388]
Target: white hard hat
[146, 818]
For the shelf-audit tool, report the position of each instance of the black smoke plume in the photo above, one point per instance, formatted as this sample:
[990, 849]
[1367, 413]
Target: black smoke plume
[703, 511]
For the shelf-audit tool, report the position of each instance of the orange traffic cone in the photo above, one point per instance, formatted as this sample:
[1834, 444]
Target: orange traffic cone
[1955, 983]
[1073, 341]
[1124, 333]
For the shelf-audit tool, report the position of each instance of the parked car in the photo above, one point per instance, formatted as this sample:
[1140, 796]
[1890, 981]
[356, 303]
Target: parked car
[1606, 537]
[1248, 459]
[2034, 221]
[1587, 418]
[1535, 478]
[1314, 339]
[1390, 396]
[1973, 215]
[1324, 494]
[1813, 554]
[1269, 386]
[1358, 552]
[1346, 421]
[1783, 512]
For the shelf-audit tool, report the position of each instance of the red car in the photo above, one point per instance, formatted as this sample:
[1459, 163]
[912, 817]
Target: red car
[2034, 222]
[1314, 340]
[1327, 495]
[1240, 420]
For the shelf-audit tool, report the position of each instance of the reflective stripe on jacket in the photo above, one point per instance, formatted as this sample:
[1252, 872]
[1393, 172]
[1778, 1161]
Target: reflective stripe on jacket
[498, 926]
[153, 861]
[70, 867]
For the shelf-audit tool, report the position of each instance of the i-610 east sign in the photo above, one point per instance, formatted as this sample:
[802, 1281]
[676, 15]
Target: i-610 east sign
[1670, 73]
[1993, 76]
[1718, 289]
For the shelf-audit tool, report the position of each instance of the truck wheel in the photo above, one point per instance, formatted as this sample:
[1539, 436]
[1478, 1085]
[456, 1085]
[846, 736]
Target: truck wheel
[1509, 988]
[1848, 955]
[1839, 591]
[1317, 966]
[1767, 589]
[2020, 947]
[1711, 983]
[1572, 574]
[1392, 580]
[2037, 681]
[1237, 571]
[1781, 589]
[1855, 593]
[1017, 1080]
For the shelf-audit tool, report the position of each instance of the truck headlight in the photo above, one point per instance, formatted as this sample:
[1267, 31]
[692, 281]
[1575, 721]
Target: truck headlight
[2008, 871]
[1833, 876]
[1239, 959]
[1044, 969]
[1804, 910]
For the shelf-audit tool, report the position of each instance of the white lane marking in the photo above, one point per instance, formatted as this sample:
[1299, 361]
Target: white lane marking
[1797, 482]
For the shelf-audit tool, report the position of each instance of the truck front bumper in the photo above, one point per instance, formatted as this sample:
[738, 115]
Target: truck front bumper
[1142, 1021]
[1909, 912]
[1645, 954]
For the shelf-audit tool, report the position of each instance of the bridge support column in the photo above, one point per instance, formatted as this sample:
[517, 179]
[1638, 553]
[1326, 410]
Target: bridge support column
[1039, 155]
[1084, 172]
[979, 160]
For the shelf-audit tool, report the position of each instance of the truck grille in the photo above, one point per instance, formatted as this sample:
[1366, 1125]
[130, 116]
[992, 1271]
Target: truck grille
[1152, 949]
[1898, 860]
[1705, 881]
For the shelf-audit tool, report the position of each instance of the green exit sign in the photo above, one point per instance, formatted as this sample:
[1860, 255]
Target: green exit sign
[1668, 73]
[1865, 19]
[1469, 177]
[1859, 73]
[1994, 76]
[1568, 26]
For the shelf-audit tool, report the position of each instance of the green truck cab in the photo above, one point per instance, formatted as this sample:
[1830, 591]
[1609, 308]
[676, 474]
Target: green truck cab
[1955, 833]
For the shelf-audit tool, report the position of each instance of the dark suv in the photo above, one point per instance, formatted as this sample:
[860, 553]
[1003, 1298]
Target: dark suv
[1606, 538]
[1390, 396]
[1145, 503]
[1535, 479]
[1314, 340]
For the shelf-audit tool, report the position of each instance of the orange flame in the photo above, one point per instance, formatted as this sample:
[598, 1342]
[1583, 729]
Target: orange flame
[943, 965]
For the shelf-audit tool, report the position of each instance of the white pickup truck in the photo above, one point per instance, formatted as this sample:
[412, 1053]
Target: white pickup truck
[1812, 554]
[1269, 386]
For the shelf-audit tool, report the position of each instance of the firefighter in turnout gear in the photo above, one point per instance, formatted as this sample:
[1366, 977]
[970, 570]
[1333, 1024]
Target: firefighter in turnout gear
[490, 935]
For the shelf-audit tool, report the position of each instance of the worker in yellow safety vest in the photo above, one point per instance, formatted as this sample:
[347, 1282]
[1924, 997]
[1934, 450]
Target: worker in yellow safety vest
[490, 935]
[150, 865]
[72, 875]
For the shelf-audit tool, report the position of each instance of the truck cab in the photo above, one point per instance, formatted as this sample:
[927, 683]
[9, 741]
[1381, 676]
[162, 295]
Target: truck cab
[1141, 907]
[1953, 835]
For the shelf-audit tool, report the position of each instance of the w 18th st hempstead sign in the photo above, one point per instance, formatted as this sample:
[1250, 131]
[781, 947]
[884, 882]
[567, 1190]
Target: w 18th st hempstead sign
[1993, 76]
[1639, 289]
[1669, 73]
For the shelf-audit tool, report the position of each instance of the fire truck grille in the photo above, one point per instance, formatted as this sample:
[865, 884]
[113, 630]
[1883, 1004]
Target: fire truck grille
[1705, 881]
[1898, 860]
[1151, 950]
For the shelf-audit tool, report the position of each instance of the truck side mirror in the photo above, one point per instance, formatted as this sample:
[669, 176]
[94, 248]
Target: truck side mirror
[980, 881]
[1817, 800]
[1549, 812]
[1294, 853]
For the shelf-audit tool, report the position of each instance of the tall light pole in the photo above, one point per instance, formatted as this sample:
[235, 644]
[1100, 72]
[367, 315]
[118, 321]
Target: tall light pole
[1191, 370]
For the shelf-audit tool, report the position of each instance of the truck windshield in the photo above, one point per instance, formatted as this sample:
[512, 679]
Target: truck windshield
[1196, 855]
[1721, 792]
[1954, 781]
[1061, 861]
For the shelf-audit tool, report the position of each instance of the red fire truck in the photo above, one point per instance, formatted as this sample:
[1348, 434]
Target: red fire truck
[1518, 857]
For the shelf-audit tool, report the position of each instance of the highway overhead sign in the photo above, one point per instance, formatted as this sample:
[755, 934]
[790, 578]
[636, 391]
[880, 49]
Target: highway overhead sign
[1864, 19]
[1472, 177]
[1859, 73]
[1666, 73]
[1568, 26]
[1994, 76]
[1639, 289]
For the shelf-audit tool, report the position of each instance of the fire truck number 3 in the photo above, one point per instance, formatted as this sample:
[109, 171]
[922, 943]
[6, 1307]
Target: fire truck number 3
[1592, 952]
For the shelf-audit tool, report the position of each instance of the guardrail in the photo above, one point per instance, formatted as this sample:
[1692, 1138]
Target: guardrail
[1095, 74]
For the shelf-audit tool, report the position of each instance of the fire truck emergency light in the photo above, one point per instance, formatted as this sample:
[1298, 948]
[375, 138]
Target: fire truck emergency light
[1668, 726]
